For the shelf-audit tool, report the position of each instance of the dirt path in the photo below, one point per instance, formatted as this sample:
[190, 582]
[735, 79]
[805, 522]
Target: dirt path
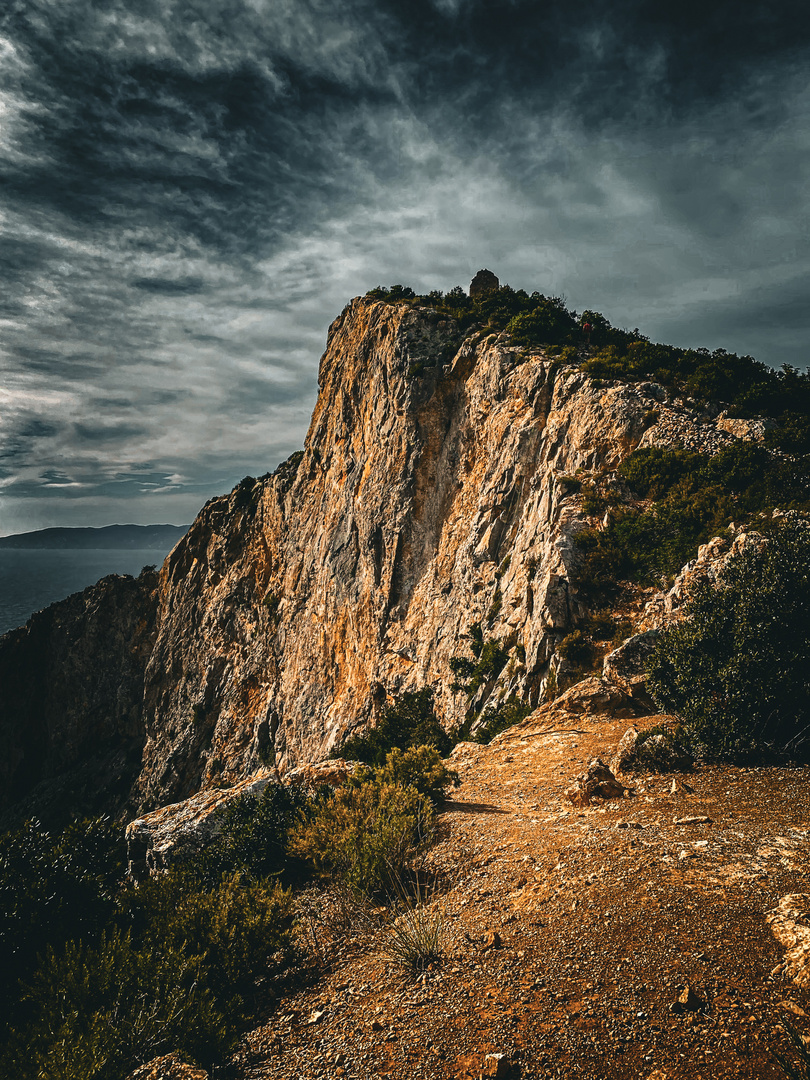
[602, 916]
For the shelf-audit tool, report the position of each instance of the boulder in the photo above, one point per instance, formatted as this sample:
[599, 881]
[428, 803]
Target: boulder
[320, 774]
[626, 666]
[182, 829]
[657, 752]
[790, 925]
[598, 782]
[687, 1001]
[593, 696]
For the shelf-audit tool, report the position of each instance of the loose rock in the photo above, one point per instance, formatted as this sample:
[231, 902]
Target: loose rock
[687, 1001]
[598, 782]
[168, 1067]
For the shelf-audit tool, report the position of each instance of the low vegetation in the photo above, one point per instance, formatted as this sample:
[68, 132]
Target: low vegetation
[101, 975]
[489, 659]
[534, 321]
[693, 497]
[407, 721]
[735, 669]
[369, 833]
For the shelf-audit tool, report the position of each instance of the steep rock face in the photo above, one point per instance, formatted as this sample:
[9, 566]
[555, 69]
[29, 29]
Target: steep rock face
[295, 604]
[433, 496]
[71, 683]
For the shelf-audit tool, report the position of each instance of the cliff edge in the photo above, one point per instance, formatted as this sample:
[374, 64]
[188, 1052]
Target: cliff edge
[433, 498]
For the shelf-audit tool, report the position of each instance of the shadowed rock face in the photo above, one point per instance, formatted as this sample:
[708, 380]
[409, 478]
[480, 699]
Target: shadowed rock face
[430, 496]
[71, 699]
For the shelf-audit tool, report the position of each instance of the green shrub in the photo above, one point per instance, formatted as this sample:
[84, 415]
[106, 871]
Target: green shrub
[576, 648]
[271, 601]
[572, 484]
[116, 974]
[409, 720]
[52, 888]
[547, 323]
[735, 669]
[231, 929]
[368, 834]
[495, 606]
[253, 835]
[490, 660]
[498, 718]
[103, 1009]
[419, 767]
[695, 496]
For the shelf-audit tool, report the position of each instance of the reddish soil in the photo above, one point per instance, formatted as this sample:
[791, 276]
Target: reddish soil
[604, 914]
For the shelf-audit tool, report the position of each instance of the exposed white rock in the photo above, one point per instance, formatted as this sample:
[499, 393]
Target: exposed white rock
[181, 829]
[790, 924]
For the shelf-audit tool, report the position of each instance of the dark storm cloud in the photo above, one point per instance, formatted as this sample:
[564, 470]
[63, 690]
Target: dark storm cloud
[191, 191]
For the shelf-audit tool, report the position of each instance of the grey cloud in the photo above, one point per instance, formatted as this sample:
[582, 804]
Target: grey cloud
[170, 286]
[189, 199]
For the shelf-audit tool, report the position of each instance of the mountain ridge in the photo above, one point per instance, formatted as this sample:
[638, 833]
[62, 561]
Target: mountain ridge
[104, 537]
[446, 477]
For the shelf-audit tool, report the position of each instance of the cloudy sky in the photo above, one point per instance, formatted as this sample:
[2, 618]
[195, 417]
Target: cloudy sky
[190, 190]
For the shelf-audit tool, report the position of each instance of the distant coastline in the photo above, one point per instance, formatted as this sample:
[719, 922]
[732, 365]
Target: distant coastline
[110, 537]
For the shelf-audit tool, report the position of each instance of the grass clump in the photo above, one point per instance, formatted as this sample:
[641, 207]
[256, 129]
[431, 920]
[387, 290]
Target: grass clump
[796, 1066]
[490, 657]
[416, 939]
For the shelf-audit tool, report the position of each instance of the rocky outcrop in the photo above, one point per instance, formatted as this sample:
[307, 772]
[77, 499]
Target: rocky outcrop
[626, 666]
[434, 495]
[708, 567]
[790, 925]
[430, 497]
[654, 750]
[181, 830]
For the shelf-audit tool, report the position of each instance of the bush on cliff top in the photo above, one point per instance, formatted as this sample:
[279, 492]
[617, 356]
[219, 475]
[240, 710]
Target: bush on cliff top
[735, 669]
[748, 386]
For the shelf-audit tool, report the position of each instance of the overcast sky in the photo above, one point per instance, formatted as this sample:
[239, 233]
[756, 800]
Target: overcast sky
[191, 191]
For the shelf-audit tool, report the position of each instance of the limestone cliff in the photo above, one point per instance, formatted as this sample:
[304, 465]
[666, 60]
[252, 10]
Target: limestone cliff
[433, 493]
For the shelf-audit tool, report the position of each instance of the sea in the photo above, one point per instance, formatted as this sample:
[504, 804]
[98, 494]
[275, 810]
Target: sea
[31, 580]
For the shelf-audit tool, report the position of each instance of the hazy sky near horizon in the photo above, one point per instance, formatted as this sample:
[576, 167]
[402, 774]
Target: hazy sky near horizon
[191, 191]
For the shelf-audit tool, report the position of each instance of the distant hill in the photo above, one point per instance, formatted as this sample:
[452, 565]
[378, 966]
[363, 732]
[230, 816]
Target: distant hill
[111, 536]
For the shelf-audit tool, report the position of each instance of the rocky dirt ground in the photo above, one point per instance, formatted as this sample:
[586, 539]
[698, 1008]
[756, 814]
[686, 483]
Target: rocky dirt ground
[571, 933]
